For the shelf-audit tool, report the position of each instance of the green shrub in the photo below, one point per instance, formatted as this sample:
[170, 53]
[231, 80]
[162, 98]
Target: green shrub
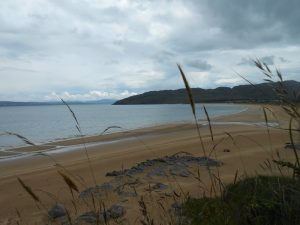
[261, 200]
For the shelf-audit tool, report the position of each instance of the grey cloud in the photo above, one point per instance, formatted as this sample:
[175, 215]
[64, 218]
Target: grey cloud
[198, 64]
[7, 68]
[112, 62]
[13, 49]
[135, 45]
[260, 21]
[79, 9]
[245, 61]
[283, 59]
[269, 60]
[164, 56]
[238, 25]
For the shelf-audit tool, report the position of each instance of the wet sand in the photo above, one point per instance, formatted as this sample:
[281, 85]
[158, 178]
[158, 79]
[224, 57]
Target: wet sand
[240, 141]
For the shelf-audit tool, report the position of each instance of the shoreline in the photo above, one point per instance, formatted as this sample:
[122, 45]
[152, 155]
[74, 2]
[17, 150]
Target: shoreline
[63, 149]
[101, 139]
[121, 129]
[247, 148]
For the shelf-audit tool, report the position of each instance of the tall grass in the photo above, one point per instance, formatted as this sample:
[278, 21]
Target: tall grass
[193, 106]
[77, 125]
[212, 177]
[261, 200]
[289, 103]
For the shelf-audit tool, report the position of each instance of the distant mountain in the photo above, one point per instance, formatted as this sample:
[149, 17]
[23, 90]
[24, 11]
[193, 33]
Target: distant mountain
[264, 92]
[102, 101]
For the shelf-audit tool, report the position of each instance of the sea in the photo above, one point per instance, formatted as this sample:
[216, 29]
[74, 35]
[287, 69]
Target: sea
[48, 123]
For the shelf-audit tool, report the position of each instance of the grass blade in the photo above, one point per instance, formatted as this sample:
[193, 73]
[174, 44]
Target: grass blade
[71, 184]
[209, 123]
[292, 142]
[73, 114]
[267, 126]
[192, 103]
[28, 190]
[26, 140]
[109, 128]
[188, 89]
[82, 137]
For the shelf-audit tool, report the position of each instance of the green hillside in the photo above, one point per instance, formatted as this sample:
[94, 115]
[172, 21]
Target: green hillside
[243, 93]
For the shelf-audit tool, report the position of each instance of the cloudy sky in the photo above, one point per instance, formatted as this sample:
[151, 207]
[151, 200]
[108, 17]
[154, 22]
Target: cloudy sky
[95, 49]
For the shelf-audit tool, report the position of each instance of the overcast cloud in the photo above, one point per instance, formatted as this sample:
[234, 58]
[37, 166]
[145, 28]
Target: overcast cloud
[95, 49]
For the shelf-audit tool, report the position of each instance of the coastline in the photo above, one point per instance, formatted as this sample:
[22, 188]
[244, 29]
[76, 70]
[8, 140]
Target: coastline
[9, 153]
[124, 150]
[118, 129]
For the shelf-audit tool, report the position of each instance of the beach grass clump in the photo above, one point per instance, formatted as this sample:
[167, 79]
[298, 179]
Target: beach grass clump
[259, 200]
[290, 102]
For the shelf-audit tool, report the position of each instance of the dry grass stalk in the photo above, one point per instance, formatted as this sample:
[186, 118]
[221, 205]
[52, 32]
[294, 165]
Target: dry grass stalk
[289, 105]
[71, 184]
[143, 209]
[293, 143]
[28, 190]
[73, 115]
[209, 123]
[19, 217]
[26, 140]
[126, 131]
[109, 128]
[268, 129]
[82, 137]
[192, 104]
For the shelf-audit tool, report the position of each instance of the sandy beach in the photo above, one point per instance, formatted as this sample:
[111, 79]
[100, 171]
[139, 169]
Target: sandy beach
[241, 142]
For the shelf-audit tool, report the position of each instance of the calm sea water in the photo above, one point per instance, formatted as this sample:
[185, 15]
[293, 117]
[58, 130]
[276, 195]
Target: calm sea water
[47, 123]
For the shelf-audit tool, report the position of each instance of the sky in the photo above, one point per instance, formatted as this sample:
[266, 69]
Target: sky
[111, 49]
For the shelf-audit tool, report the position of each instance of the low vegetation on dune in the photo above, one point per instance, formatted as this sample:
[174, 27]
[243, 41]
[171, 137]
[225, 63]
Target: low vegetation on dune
[249, 200]
[261, 200]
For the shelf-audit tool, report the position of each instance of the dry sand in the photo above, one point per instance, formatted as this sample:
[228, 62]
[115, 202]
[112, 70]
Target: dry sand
[240, 147]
